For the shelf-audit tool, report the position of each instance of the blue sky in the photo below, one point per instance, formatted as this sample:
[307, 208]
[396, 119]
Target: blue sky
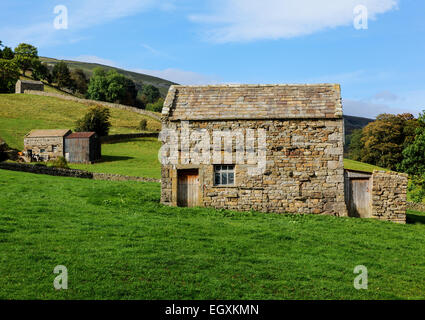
[380, 69]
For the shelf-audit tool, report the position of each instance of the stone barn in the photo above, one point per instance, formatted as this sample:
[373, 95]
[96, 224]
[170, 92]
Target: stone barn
[269, 148]
[44, 145]
[22, 85]
[83, 147]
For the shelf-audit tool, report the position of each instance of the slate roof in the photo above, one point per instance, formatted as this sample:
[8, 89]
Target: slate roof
[76, 135]
[48, 133]
[228, 102]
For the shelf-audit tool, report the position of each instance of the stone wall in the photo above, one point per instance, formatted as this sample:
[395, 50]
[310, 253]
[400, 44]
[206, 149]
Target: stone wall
[42, 169]
[304, 169]
[22, 86]
[95, 102]
[123, 137]
[37, 144]
[389, 196]
[415, 206]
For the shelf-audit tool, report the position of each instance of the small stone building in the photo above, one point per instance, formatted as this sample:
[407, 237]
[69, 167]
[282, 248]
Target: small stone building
[82, 147]
[22, 85]
[44, 145]
[284, 154]
[381, 195]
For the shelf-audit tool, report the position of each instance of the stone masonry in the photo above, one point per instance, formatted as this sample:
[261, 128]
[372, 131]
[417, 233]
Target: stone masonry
[389, 196]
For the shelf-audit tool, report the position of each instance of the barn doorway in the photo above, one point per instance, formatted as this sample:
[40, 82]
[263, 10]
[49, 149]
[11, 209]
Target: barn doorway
[358, 193]
[188, 188]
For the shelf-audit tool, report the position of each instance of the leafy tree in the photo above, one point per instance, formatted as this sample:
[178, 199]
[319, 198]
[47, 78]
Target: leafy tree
[25, 55]
[356, 145]
[97, 120]
[8, 53]
[111, 87]
[143, 125]
[79, 80]
[61, 75]
[9, 74]
[157, 106]
[41, 71]
[383, 140]
[150, 94]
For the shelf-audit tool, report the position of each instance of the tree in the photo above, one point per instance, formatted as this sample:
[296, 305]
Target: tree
[9, 74]
[25, 55]
[79, 80]
[111, 87]
[41, 71]
[61, 75]
[157, 106]
[150, 93]
[97, 120]
[383, 140]
[8, 53]
[356, 145]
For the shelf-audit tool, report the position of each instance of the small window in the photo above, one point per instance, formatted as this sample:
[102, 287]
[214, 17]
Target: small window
[224, 175]
[54, 148]
[42, 150]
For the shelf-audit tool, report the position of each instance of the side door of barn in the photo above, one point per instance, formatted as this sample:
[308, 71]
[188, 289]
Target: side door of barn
[360, 198]
[188, 188]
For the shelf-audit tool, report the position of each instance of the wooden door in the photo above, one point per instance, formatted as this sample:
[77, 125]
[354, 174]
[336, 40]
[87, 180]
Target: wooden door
[188, 188]
[360, 204]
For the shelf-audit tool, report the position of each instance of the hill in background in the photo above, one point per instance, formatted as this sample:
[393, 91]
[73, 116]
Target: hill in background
[138, 78]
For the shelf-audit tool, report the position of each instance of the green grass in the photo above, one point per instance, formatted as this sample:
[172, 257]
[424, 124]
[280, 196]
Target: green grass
[20, 113]
[136, 157]
[118, 242]
[361, 166]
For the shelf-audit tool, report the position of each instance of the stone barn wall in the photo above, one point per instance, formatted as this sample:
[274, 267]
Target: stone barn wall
[22, 85]
[36, 144]
[389, 196]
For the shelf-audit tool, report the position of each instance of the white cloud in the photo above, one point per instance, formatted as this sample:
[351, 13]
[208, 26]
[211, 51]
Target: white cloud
[367, 109]
[385, 96]
[247, 20]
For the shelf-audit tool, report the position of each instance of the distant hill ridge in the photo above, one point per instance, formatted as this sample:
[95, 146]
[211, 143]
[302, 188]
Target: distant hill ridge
[138, 78]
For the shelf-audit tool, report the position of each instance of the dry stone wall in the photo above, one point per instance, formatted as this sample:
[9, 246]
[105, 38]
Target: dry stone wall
[389, 196]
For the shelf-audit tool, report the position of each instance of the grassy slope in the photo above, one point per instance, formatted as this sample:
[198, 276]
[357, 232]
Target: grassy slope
[361, 166]
[118, 242]
[138, 78]
[137, 157]
[21, 113]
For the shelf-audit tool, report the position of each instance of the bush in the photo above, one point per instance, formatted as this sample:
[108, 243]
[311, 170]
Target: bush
[143, 125]
[96, 120]
[157, 106]
[60, 163]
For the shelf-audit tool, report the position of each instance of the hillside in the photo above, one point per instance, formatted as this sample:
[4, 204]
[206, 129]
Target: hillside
[138, 78]
[20, 113]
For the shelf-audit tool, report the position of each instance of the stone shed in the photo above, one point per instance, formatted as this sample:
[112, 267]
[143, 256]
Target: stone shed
[44, 145]
[269, 148]
[22, 85]
[381, 195]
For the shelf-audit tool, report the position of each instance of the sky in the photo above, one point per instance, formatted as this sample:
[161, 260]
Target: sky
[378, 60]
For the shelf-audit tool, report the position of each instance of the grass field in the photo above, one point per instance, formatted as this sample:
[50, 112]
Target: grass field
[361, 166]
[118, 242]
[20, 113]
[136, 157]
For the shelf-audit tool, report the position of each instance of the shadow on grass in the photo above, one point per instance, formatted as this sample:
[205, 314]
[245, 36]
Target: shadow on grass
[114, 158]
[415, 217]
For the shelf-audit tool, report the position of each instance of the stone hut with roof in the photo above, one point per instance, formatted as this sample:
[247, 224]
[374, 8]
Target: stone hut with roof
[44, 145]
[22, 85]
[269, 148]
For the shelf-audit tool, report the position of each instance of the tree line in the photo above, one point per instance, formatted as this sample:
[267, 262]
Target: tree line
[395, 142]
[103, 85]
